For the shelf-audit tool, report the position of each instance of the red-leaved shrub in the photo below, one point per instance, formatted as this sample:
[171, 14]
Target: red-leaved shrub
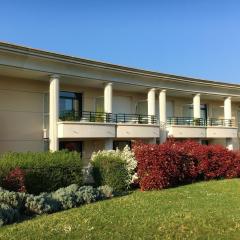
[174, 163]
[15, 180]
[219, 163]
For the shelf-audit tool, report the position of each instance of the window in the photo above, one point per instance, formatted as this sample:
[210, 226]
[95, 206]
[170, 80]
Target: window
[71, 146]
[121, 144]
[142, 108]
[188, 111]
[99, 104]
[70, 102]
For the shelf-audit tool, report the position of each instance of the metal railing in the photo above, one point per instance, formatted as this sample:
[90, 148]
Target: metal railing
[135, 118]
[220, 122]
[189, 121]
[86, 116]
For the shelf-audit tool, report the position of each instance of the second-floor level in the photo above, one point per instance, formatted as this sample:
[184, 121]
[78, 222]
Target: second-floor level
[84, 93]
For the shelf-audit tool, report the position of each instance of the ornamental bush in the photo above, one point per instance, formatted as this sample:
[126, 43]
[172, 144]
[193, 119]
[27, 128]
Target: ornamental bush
[16, 205]
[110, 171]
[8, 214]
[219, 163]
[175, 163]
[15, 180]
[107, 166]
[44, 172]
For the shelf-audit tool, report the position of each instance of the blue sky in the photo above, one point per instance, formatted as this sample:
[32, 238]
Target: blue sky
[191, 38]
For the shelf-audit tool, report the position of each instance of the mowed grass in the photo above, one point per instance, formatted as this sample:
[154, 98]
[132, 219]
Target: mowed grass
[207, 210]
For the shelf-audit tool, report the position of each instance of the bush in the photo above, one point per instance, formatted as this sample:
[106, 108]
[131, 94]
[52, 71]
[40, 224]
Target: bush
[68, 197]
[110, 171]
[88, 194]
[105, 192]
[14, 205]
[13, 199]
[8, 214]
[125, 158]
[43, 203]
[176, 163]
[44, 172]
[15, 180]
[220, 163]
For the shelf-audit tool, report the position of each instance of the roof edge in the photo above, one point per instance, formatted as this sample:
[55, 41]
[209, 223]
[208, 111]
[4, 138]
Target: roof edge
[110, 66]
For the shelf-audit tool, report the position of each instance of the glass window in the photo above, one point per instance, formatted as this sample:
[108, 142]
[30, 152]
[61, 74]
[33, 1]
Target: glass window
[70, 101]
[188, 111]
[142, 108]
[99, 104]
[121, 144]
[71, 146]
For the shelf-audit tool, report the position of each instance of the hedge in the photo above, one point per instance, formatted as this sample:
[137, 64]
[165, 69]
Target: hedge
[43, 172]
[110, 170]
[175, 163]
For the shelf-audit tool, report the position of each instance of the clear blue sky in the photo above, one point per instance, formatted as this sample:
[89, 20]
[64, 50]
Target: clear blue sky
[185, 37]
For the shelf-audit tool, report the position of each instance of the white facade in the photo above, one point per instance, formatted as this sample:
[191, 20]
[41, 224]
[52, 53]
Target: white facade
[51, 101]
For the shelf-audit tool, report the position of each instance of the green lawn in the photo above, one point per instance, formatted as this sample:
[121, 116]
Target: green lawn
[207, 210]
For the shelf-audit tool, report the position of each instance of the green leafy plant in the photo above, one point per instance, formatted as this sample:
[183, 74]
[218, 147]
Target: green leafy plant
[44, 172]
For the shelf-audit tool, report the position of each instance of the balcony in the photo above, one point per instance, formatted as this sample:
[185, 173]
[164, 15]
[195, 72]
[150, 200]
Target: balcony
[136, 126]
[221, 128]
[184, 127]
[85, 124]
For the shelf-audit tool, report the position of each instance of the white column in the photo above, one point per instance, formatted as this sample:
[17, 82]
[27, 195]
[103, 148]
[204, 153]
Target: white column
[228, 108]
[53, 113]
[151, 101]
[228, 117]
[162, 106]
[151, 104]
[196, 106]
[108, 109]
[229, 143]
[108, 98]
[162, 115]
[108, 144]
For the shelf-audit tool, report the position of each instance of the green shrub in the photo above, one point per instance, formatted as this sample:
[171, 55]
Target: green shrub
[73, 196]
[8, 214]
[105, 192]
[110, 171]
[88, 194]
[67, 196]
[13, 199]
[44, 172]
[42, 203]
[14, 205]
[123, 157]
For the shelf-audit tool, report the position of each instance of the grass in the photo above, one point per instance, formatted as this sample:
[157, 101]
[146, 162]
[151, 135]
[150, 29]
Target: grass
[207, 210]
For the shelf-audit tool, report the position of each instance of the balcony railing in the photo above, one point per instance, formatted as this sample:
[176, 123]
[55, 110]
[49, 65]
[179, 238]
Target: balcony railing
[188, 121]
[135, 118]
[220, 122]
[86, 116]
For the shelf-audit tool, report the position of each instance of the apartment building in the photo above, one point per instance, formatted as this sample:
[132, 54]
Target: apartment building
[50, 101]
